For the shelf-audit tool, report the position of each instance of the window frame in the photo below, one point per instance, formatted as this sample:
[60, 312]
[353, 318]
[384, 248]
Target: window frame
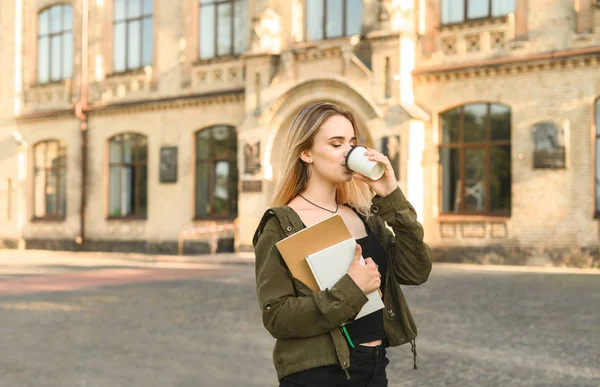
[596, 137]
[127, 21]
[216, 3]
[136, 213]
[461, 145]
[211, 160]
[47, 169]
[466, 19]
[49, 35]
[343, 15]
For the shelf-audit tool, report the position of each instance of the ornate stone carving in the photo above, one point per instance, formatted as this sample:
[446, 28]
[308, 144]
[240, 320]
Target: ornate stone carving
[398, 15]
[267, 32]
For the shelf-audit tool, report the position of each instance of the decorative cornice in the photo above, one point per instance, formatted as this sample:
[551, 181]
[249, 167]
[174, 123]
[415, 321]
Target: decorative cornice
[511, 65]
[229, 96]
[178, 102]
[44, 115]
[382, 35]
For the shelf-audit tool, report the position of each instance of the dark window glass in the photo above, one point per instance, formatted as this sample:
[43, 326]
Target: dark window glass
[450, 165]
[133, 34]
[475, 163]
[222, 28]
[216, 172]
[128, 176]
[55, 44]
[474, 194]
[451, 122]
[500, 122]
[49, 182]
[500, 179]
[456, 11]
[474, 122]
[325, 19]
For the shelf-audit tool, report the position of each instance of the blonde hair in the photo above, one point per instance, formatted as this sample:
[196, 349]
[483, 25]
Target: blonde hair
[295, 172]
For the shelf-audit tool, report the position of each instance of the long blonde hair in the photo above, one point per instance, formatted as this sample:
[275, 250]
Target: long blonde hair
[295, 172]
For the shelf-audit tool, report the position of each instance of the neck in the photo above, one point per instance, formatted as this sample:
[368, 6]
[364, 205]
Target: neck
[321, 193]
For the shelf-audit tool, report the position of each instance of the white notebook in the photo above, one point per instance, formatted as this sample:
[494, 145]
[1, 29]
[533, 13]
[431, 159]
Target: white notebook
[331, 263]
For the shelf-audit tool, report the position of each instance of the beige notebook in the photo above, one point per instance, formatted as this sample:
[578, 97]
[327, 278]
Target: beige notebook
[295, 248]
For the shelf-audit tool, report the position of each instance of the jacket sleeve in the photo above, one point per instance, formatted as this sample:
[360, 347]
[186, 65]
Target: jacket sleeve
[287, 315]
[410, 257]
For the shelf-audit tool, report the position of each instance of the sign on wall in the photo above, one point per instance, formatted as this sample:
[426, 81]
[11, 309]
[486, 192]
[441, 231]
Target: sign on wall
[252, 186]
[252, 158]
[549, 152]
[168, 164]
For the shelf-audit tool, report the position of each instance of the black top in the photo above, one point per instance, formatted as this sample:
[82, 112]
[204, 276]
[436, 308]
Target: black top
[370, 327]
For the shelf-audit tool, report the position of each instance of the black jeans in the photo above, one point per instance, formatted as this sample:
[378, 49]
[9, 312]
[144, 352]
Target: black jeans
[367, 369]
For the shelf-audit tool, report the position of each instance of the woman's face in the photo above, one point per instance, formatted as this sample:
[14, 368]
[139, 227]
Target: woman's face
[331, 144]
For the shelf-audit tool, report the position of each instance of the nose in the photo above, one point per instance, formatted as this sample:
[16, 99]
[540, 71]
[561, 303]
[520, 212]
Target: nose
[348, 148]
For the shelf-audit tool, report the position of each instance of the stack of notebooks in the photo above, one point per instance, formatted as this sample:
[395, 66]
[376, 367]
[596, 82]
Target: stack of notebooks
[321, 254]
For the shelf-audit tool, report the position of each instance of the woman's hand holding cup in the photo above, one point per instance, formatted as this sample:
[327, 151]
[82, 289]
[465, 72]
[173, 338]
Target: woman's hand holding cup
[367, 165]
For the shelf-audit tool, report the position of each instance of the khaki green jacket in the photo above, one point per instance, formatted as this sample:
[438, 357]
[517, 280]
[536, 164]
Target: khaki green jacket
[306, 324]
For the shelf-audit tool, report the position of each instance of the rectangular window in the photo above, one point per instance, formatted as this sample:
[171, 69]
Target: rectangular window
[457, 11]
[55, 44]
[326, 19]
[133, 34]
[222, 28]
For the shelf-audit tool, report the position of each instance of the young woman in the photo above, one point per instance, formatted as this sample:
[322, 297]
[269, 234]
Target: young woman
[311, 348]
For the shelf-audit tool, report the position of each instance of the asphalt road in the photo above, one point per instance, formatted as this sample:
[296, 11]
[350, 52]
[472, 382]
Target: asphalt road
[131, 326]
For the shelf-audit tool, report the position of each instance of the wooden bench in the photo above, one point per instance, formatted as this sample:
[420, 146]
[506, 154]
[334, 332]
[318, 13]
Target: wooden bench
[209, 231]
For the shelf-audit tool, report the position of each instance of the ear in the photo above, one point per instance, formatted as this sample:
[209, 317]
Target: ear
[305, 156]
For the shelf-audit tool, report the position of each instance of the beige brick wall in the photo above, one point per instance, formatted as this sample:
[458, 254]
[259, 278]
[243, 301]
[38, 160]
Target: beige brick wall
[549, 207]
[64, 128]
[170, 206]
[9, 184]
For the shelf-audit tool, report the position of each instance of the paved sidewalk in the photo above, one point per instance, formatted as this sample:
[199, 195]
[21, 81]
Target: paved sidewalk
[48, 257]
[34, 258]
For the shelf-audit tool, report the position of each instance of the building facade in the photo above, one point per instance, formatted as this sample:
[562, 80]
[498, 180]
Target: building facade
[131, 121]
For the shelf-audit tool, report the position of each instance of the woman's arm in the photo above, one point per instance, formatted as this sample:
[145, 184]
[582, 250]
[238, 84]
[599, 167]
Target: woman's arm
[286, 315]
[410, 256]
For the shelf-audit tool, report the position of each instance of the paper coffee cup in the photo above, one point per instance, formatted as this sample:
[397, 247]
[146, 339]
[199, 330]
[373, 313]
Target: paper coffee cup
[357, 162]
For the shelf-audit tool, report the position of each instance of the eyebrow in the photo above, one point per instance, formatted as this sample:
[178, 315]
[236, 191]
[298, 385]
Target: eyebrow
[341, 138]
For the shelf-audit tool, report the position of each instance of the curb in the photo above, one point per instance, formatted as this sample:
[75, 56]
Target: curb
[39, 256]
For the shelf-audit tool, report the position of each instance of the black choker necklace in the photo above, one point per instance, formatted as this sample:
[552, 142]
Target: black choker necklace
[316, 205]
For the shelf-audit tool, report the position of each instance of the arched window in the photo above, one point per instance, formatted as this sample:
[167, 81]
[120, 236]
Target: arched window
[597, 110]
[49, 181]
[216, 172]
[55, 43]
[222, 28]
[475, 164]
[128, 176]
[326, 19]
[133, 36]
